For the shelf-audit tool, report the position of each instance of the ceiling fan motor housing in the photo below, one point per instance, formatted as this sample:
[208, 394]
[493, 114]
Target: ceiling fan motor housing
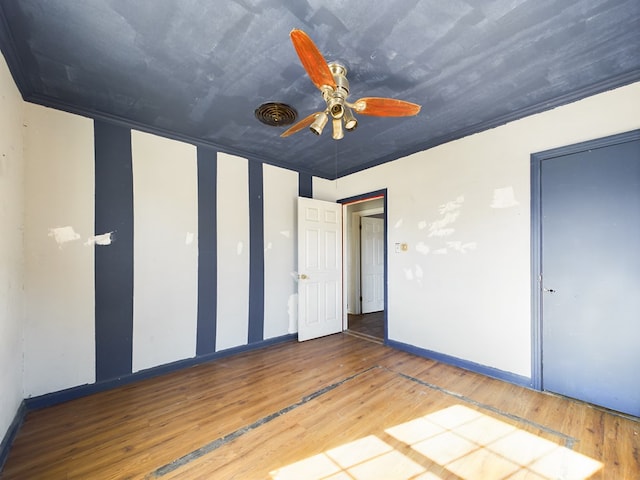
[335, 98]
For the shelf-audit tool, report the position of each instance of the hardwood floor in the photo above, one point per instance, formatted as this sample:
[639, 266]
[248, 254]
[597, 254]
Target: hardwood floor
[368, 325]
[333, 408]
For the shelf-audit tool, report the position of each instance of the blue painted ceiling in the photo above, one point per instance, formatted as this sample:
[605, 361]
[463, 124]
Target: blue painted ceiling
[197, 69]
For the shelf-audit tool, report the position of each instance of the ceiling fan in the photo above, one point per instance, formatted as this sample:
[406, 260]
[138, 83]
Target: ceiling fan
[331, 80]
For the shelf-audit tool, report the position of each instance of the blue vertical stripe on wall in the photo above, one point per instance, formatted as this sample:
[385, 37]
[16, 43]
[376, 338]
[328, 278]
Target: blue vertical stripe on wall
[114, 262]
[207, 251]
[305, 185]
[256, 253]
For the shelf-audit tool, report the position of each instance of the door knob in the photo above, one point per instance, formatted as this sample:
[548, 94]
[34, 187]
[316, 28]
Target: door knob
[550, 290]
[302, 276]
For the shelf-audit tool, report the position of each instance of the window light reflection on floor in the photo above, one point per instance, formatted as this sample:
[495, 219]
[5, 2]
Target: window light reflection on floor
[466, 442]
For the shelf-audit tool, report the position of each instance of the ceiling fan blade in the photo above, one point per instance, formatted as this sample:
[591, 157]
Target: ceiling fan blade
[385, 107]
[302, 124]
[312, 60]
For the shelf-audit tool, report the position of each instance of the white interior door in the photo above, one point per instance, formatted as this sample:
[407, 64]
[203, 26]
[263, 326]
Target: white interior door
[372, 264]
[319, 268]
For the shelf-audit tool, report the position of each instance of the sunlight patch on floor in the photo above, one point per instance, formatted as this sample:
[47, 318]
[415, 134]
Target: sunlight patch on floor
[366, 458]
[464, 441]
[473, 445]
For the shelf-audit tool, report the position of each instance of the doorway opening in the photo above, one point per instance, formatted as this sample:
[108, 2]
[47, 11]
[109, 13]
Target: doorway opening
[365, 295]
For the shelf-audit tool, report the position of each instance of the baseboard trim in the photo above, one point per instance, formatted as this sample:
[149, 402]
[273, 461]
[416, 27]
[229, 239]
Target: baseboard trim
[61, 396]
[12, 431]
[461, 363]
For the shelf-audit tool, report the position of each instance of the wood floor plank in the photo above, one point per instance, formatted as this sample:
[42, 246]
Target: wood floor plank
[272, 410]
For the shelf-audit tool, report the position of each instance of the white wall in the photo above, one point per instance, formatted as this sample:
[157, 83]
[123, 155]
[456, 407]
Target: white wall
[463, 288]
[11, 249]
[165, 252]
[233, 251]
[59, 329]
[280, 192]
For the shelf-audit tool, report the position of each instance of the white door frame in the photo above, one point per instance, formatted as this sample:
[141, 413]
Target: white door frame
[353, 220]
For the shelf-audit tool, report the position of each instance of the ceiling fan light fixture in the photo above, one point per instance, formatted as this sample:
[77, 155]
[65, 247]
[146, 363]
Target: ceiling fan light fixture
[318, 124]
[338, 133]
[350, 121]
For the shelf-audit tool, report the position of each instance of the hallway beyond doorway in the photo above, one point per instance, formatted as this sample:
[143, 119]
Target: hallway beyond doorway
[367, 325]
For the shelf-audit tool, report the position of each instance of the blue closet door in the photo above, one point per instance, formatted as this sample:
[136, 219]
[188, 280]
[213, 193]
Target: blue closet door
[590, 262]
